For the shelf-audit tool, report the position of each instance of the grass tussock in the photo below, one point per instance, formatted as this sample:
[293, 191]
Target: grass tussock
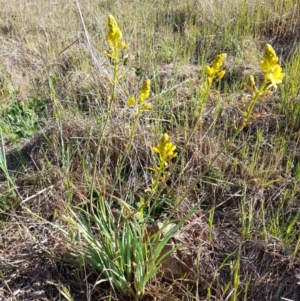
[149, 151]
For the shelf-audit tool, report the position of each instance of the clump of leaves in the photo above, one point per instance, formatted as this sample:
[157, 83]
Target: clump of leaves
[117, 245]
[20, 120]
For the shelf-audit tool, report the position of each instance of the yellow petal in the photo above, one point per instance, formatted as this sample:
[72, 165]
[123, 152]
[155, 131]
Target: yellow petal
[145, 91]
[123, 46]
[155, 149]
[252, 81]
[147, 106]
[277, 72]
[131, 101]
[265, 66]
[218, 62]
[209, 70]
[220, 75]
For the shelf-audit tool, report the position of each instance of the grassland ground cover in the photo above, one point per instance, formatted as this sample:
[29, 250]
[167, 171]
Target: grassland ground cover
[150, 156]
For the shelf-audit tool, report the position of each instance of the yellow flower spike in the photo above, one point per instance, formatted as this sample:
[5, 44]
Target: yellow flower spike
[145, 91]
[131, 101]
[270, 59]
[214, 73]
[165, 149]
[114, 34]
[218, 62]
[273, 71]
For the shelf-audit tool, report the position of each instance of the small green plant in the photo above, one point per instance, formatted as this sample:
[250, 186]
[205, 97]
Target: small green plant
[10, 183]
[117, 245]
[20, 120]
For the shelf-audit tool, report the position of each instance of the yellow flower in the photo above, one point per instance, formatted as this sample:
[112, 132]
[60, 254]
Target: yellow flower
[220, 75]
[147, 106]
[131, 101]
[218, 62]
[214, 72]
[209, 71]
[114, 34]
[165, 149]
[145, 91]
[273, 71]
[123, 46]
[270, 58]
[275, 76]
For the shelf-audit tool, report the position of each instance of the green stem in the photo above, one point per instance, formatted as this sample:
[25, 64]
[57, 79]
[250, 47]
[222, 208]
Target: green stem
[136, 118]
[121, 161]
[253, 102]
[159, 172]
[108, 116]
[202, 103]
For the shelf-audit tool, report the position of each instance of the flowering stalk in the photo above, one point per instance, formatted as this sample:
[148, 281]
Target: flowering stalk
[166, 151]
[273, 77]
[140, 106]
[116, 47]
[214, 74]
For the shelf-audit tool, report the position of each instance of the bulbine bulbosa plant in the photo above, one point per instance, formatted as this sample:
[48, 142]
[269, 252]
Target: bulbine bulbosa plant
[273, 76]
[214, 74]
[115, 54]
[118, 245]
